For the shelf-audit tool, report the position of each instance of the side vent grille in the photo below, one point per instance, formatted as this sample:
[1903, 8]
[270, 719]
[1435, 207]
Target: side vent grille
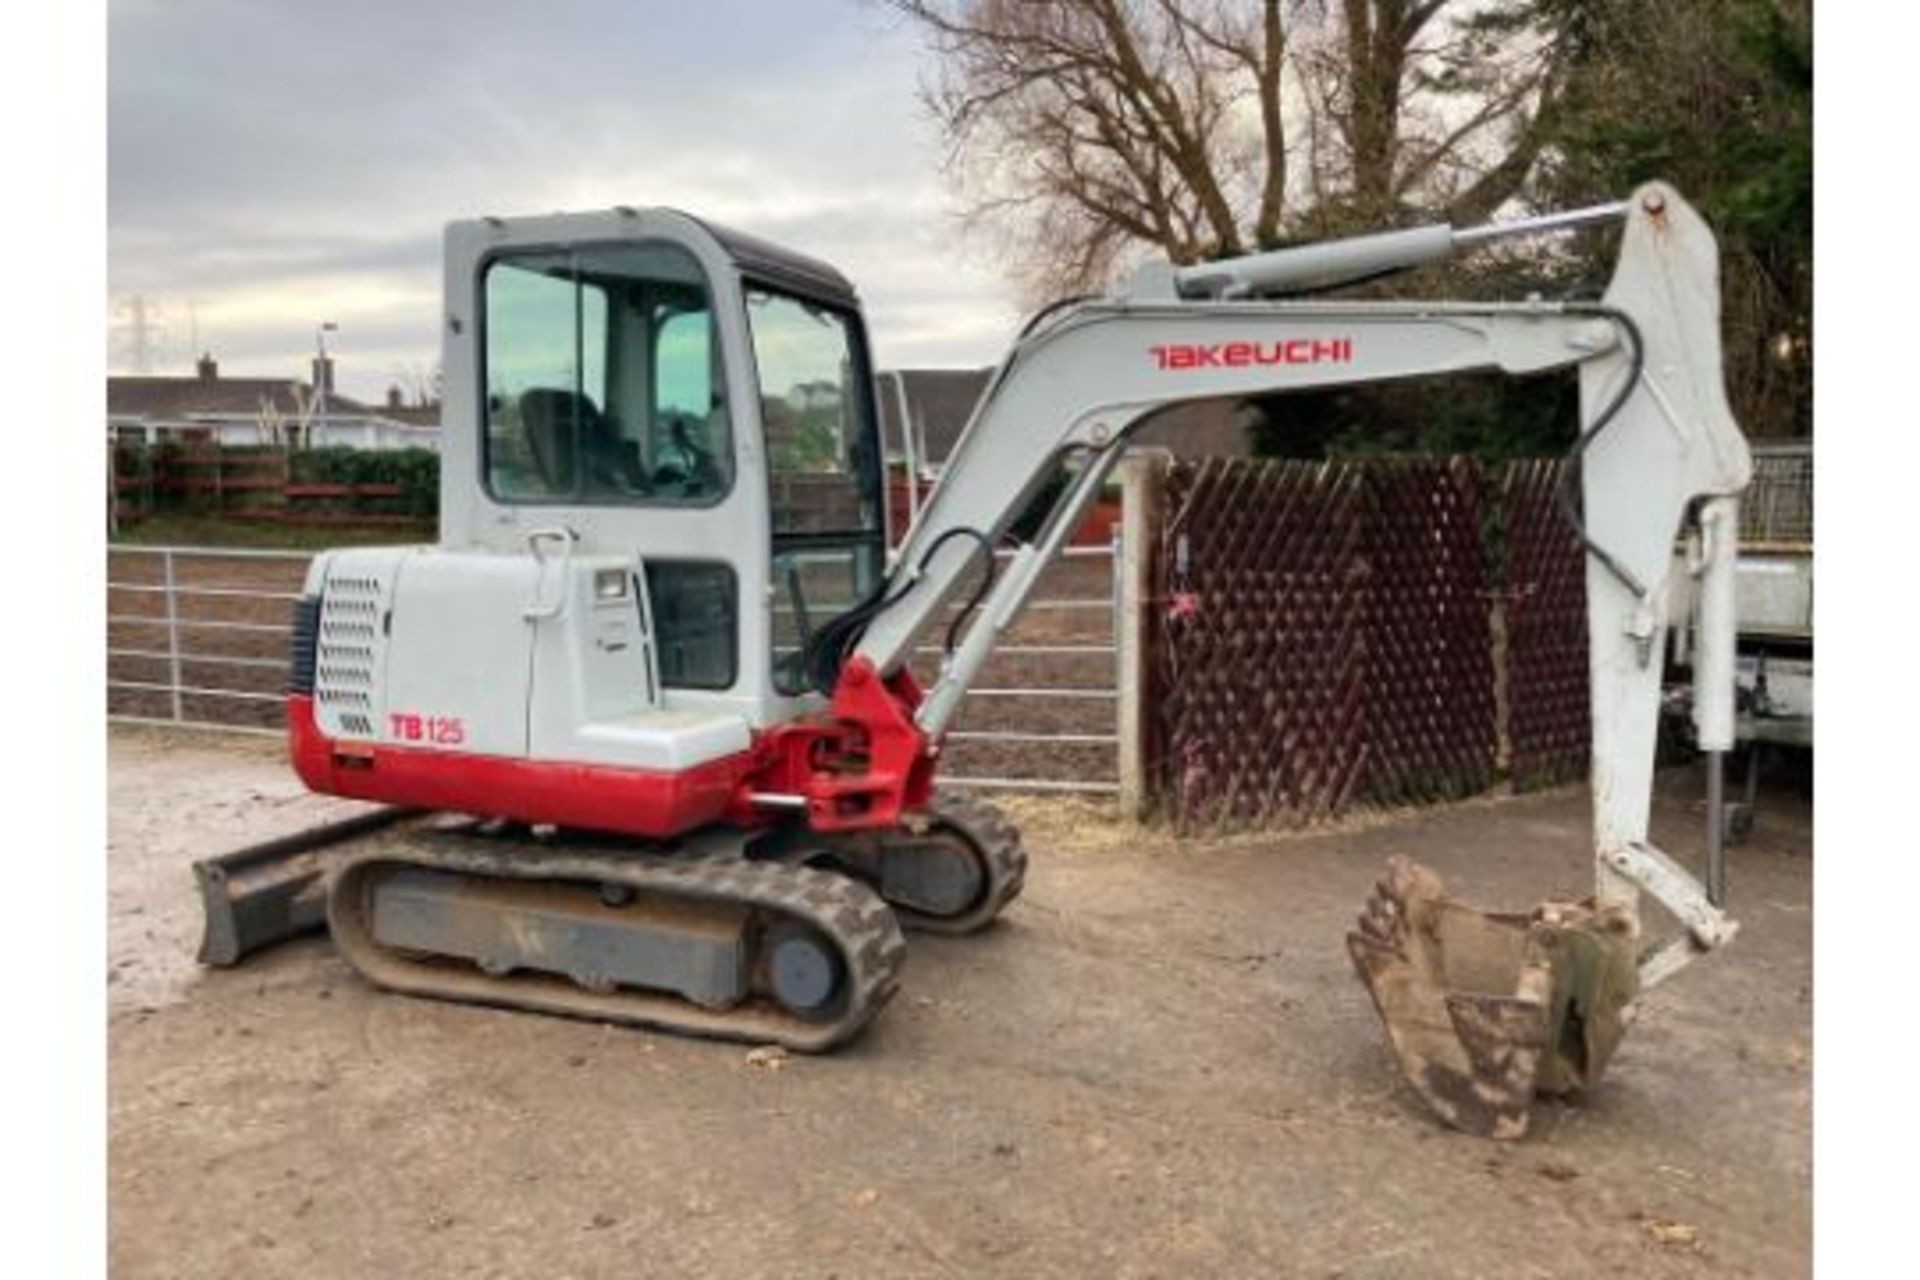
[306, 641]
[343, 666]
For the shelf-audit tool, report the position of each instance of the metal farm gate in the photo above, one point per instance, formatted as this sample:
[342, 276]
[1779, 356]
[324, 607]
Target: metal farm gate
[197, 636]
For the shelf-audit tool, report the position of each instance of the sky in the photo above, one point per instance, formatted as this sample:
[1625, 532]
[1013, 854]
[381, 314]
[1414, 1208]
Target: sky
[275, 164]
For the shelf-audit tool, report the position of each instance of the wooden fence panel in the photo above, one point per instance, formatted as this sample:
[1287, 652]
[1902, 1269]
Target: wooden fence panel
[1549, 699]
[1323, 634]
[1323, 638]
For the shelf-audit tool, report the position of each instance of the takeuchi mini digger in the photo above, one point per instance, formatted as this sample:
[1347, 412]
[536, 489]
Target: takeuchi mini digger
[642, 720]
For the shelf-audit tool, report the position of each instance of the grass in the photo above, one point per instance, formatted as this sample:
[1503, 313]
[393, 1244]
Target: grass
[180, 530]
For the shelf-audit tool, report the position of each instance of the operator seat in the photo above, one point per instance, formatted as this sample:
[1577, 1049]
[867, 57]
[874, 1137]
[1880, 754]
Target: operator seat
[549, 416]
[546, 416]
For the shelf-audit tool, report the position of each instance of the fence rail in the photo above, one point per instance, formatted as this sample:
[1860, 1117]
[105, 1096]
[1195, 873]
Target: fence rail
[194, 635]
[197, 639]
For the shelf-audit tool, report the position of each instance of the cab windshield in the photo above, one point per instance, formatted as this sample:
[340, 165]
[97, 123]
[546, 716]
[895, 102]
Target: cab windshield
[602, 378]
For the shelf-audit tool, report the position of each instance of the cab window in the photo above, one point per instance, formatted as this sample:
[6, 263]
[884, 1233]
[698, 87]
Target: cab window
[602, 376]
[822, 468]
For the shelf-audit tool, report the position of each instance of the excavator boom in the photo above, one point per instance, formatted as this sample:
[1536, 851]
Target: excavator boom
[1659, 458]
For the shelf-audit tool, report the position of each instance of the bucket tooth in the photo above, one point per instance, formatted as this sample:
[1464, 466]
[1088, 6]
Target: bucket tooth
[1484, 1010]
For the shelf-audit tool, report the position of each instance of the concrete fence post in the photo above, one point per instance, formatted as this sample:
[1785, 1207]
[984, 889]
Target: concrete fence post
[171, 596]
[1142, 473]
[113, 490]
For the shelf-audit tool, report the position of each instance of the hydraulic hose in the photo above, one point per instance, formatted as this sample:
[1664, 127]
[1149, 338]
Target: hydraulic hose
[1571, 464]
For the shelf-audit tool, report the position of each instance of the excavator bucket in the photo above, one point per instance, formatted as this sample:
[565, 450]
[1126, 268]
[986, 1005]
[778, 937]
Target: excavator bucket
[1485, 1010]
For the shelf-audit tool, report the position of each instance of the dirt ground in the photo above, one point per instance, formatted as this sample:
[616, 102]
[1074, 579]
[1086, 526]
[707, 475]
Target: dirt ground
[1158, 1064]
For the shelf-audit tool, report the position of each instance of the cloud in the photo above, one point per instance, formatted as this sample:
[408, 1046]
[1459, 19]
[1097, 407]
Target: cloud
[272, 164]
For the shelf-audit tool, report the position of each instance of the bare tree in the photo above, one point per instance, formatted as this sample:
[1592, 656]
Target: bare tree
[419, 383]
[276, 429]
[1081, 127]
[1430, 105]
[1085, 130]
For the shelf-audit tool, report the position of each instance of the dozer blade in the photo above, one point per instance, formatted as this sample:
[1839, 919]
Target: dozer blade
[1485, 1010]
[275, 890]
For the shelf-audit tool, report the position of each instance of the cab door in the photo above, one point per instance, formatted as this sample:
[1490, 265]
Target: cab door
[607, 417]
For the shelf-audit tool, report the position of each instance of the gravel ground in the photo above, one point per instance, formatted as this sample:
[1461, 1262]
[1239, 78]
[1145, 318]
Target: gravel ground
[1158, 1064]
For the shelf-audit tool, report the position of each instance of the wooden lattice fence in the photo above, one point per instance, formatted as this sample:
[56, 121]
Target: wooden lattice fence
[1324, 634]
[1549, 716]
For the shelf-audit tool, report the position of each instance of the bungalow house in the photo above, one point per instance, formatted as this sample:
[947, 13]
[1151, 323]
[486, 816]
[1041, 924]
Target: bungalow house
[258, 411]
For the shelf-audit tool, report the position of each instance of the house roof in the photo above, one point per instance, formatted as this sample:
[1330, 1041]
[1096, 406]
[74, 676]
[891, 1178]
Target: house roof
[414, 415]
[196, 397]
[939, 400]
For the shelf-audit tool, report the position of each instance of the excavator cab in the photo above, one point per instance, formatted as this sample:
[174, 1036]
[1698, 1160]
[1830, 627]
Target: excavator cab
[660, 477]
[695, 400]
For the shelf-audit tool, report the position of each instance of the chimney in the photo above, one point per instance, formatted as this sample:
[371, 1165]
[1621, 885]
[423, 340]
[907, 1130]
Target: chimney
[393, 396]
[206, 368]
[323, 374]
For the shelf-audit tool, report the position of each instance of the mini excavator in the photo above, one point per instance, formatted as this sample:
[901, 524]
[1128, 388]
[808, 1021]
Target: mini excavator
[641, 724]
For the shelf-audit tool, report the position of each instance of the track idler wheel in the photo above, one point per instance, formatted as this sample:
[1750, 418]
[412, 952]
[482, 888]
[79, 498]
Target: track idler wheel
[1486, 1010]
[805, 973]
[952, 869]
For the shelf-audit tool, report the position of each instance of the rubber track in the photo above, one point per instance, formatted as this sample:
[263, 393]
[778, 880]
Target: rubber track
[850, 914]
[1002, 855]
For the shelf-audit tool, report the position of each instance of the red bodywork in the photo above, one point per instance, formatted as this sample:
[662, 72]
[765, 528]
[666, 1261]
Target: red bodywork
[858, 767]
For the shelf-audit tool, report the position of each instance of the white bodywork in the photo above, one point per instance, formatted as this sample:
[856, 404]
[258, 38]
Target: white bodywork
[502, 656]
